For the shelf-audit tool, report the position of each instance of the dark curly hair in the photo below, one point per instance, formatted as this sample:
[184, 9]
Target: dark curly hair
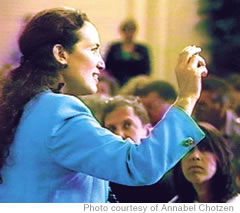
[222, 185]
[38, 69]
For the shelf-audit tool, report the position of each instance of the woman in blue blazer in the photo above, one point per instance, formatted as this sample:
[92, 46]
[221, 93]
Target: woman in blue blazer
[51, 148]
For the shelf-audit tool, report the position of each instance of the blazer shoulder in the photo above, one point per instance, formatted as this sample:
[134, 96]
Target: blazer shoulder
[58, 103]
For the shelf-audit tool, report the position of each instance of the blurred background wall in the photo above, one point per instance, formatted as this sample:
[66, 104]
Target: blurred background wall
[165, 25]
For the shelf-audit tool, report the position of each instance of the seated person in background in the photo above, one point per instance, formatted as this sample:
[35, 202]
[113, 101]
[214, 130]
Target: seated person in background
[234, 80]
[157, 96]
[134, 84]
[127, 58]
[204, 174]
[213, 107]
[127, 117]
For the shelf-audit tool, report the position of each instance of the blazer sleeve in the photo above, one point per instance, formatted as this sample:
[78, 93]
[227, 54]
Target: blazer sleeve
[78, 142]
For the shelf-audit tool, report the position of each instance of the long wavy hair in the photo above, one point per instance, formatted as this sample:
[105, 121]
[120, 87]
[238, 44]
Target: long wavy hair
[222, 187]
[38, 69]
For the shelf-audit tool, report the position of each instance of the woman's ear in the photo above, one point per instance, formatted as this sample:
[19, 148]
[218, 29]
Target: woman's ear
[60, 53]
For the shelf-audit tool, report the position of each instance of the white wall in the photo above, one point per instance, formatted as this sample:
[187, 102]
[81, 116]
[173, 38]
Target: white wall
[166, 25]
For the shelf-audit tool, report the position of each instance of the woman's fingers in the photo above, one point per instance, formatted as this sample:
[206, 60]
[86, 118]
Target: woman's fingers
[198, 64]
[187, 53]
[193, 62]
[190, 68]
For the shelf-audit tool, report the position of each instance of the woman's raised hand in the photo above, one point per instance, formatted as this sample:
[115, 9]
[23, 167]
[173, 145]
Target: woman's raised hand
[189, 70]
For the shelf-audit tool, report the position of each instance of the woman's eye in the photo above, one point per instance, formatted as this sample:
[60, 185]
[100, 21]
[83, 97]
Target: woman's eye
[95, 50]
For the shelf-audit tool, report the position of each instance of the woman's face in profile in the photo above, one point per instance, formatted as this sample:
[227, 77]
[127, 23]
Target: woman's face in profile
[199, 166]
[84, 63]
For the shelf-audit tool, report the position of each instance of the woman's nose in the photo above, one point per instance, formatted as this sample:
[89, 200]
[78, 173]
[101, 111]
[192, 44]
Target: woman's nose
[101, 64]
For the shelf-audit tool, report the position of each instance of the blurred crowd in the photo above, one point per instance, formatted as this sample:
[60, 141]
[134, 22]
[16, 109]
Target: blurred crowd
[131, 110]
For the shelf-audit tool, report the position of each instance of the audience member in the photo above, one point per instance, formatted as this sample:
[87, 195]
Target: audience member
[157, 96]
[51, 148]
[128, 118]
[133, 84]
[204, 174]
[127, 58]
[234, 81]
[214, 107]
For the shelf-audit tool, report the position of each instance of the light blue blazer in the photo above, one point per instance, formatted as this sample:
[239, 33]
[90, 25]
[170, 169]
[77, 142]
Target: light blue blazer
[61, 154]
